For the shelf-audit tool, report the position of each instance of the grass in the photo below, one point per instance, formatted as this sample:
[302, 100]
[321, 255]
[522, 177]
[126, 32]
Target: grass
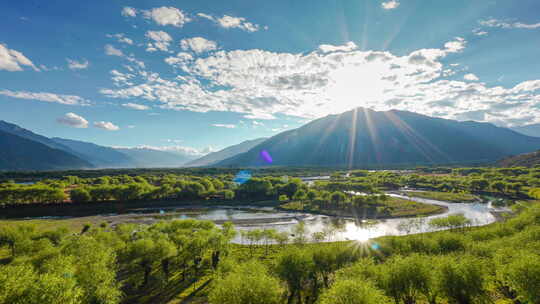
[397, 207]
[444, 196]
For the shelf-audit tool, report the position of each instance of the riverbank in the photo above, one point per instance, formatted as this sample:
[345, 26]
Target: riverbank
[116, 207]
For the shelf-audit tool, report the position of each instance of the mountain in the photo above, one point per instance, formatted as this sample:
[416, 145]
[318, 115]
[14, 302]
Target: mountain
[147, 158]
[364, 137]
[21, 132]
[214, 157]
[530, 130]
[522, 160]
[19, 153]
[100, 156]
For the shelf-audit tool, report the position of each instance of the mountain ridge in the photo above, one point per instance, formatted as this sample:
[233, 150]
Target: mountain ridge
[386, 137]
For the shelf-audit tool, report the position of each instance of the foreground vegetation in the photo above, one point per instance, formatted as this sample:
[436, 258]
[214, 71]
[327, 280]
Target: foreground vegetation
[171, 262]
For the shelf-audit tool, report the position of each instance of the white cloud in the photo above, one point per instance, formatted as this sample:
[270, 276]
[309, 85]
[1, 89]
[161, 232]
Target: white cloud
[327, 48]
[262, 84]
[167, 16]
[11, 60]
[232, 22]
[135, 106]
[182, 150]
[228, 126]
[456, 45]
[73, 120]
[106, 125]
[48, 97]
[129, 12]
[198, 44]
[112, 51]
[161, 40]
[480, 32]
[76, 65]
[131, 127]
[121, 38]
[470, 77]
[492, 22]
[390, 5]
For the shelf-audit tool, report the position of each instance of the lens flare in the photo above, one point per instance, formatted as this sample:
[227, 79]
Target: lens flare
[242, 177]
[266, 156]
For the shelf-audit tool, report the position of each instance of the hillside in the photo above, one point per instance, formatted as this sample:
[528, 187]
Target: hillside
[363, 137]
[522, 160]
[100, 156]
[18, 153]
[214, 157]
[22, 132]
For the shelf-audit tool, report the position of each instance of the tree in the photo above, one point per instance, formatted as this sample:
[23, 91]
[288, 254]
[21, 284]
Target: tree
[248, 283]
[406, 278]
[520, 272]
[462, 279]
[498, 186]
[353, 292]
[337, 198]
[80, 195]
[295, 267]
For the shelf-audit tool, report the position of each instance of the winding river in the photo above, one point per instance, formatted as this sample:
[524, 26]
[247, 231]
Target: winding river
[337, 229]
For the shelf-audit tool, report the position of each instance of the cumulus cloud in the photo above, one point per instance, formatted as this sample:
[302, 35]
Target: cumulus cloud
[167, 16]
[106, 125]
[470, 77]
[135, 106]
[47, 97]
[11, 60]
[112, 51]
[198, 44]
[73, 120]
[161, 41]
[77, 65]
[121, 38]
[262, 84]
[390, 5]
[228, 126]
[129, 12]
[505, 24]
[232, 22]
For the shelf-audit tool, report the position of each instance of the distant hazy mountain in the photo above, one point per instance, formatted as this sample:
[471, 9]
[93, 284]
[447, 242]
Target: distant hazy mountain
[100, 156]
[19, 153]
[530, 130]
[147, 158]
[363, 137]
[214, 157]
[522, 160]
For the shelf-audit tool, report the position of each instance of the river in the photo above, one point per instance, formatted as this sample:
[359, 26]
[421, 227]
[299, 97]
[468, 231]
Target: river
[337, 229]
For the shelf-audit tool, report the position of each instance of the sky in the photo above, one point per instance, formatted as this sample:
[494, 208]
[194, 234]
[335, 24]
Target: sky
[197, 76]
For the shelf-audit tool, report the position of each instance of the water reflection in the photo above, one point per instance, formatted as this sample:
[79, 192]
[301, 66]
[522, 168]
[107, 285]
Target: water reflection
[341, 229]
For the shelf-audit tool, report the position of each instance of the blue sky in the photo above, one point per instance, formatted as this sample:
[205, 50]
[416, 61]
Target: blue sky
[196, 76]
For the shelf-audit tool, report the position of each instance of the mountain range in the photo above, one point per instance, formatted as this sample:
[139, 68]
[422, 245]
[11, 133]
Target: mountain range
[215, 157]
[363, 137]
[530, 130]
[357, 138]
